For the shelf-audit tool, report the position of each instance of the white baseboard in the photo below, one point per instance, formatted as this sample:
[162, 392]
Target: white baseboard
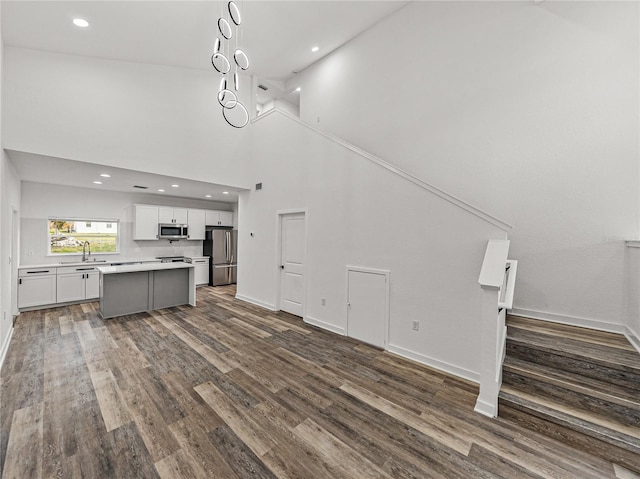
[5, 346]
[633, 338]
[436, 364]
[257, 302]
[569, 320]
[486, 409]
[329, 327]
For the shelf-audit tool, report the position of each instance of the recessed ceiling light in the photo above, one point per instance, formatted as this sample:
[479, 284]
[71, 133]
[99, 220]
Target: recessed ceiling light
[298, 89]
[80, 22]
[105, 175]
[207, 196]
[97, 182]
[161, 191]
[315, 49]
[175, 186]
[225, 192]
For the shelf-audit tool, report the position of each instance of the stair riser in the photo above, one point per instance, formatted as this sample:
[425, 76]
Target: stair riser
[595, 446]
[628, 416]
[620, 376]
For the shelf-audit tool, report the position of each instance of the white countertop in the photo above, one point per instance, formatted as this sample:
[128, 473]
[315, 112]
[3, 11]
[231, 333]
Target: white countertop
[132, 268]
[91, 262]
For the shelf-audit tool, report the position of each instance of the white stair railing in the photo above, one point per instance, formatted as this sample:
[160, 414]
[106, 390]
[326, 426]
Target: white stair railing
[497, 280]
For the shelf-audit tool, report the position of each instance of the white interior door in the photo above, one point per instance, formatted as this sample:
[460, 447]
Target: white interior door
[367, 306]
[292, 241]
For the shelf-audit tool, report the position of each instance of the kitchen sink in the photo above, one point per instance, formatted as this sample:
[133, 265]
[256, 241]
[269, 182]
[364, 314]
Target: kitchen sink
[84, 262]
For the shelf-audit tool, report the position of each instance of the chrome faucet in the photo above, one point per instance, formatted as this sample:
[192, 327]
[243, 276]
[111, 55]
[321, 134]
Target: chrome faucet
[86, 257]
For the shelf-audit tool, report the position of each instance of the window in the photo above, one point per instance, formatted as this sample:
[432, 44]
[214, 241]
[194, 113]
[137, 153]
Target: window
[67, 236]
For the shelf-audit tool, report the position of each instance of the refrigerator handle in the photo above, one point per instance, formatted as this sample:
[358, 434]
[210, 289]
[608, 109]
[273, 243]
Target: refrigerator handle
[227, 246]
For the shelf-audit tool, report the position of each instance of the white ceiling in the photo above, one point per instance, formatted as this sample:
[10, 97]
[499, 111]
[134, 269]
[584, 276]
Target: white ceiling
[277, 36]
[59, 171]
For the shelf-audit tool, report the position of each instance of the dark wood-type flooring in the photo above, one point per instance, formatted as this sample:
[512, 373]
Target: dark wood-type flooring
[575, 384]
[229, 390]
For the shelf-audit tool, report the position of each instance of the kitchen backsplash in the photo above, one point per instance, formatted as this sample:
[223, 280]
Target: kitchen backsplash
[33, 245]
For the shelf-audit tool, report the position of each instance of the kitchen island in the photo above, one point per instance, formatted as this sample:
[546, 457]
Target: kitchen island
[129, 289]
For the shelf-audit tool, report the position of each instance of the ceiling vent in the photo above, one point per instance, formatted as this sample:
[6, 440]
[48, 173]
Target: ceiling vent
[140, 187]
[262, 87]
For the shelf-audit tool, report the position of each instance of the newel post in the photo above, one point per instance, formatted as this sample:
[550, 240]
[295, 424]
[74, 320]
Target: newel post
[491, 280]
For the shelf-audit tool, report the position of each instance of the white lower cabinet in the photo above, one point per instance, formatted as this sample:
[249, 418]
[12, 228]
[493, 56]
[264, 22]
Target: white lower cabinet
[48, 286]
[77, 284]
[70, 287]
[36, 287]
[92, 285]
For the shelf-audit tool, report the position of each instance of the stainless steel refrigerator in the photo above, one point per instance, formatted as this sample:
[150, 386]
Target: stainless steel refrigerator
[221, 246]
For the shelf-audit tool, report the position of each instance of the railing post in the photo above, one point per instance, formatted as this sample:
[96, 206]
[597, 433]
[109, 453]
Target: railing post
[492, 331]
[487, 402]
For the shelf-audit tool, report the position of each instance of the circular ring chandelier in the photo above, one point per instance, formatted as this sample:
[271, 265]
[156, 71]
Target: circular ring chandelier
[233, 111]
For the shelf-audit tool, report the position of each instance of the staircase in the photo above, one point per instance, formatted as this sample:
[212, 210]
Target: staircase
[577, 385]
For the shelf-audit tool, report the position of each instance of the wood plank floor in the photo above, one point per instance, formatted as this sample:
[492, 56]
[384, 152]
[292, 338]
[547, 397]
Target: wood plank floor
[229, 390]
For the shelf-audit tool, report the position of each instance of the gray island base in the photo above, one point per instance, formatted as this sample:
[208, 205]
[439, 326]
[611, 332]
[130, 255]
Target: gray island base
[137, 288]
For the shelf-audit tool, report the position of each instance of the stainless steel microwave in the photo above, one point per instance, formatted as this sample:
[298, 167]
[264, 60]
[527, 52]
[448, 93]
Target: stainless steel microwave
[172, 231]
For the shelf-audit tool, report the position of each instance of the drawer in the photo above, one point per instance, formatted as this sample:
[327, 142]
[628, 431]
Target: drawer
[26, 272]
[75, 269]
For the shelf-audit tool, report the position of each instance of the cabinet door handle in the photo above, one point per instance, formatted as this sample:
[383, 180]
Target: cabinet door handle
[20, 281]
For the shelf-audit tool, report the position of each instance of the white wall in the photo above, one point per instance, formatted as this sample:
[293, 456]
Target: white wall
[42, 201]
[361, 214]
[529, 112]
[9, 201]
[10, 185]
[137, 116]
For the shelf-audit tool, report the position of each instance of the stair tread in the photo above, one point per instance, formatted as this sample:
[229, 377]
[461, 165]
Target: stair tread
[603, 338]
[580, 384]
[615, 358]
[611, 432]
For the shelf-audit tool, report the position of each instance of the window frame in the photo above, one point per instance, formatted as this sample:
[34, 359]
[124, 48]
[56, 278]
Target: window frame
[115, 221]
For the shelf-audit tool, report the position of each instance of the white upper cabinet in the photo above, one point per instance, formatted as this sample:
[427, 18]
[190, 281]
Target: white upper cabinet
[168, 214]
[145, 222]
[226, 218]
[147, 217]
[196, 222]
[219, 218]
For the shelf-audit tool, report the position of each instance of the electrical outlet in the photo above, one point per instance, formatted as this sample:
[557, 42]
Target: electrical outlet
[323, 301]
[416, 326]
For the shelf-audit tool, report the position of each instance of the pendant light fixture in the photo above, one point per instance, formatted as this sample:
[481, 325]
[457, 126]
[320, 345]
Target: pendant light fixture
[228, 43]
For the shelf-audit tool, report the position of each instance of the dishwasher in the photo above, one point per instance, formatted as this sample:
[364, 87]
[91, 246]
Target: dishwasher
[201, 267]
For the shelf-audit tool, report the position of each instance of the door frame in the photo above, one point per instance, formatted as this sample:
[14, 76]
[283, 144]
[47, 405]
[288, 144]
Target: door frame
[280, 214]
[384, 272]
[14, 252]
